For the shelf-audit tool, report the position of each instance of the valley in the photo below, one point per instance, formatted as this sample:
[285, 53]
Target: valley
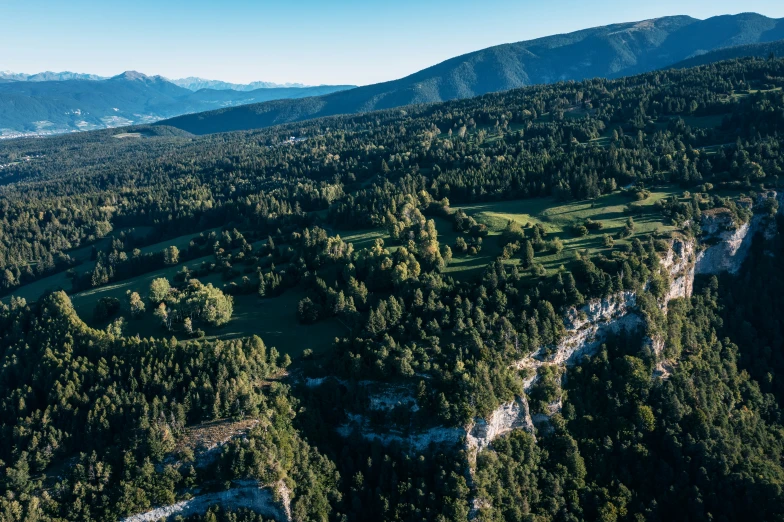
[46, 107]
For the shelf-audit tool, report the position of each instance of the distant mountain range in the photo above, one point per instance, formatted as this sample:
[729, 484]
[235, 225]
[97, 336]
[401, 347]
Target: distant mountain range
[608, 51]
[191, 83]
[50, 103]
[48, 76]
[194, 84]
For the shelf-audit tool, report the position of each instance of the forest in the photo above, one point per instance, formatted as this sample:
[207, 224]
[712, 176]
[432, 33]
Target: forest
[295, 307]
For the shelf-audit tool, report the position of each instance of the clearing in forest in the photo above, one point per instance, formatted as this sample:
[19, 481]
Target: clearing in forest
[558, 219]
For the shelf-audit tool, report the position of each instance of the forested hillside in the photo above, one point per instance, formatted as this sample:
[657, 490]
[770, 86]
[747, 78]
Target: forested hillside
[760, 50]
[553, 303]
[607, 52]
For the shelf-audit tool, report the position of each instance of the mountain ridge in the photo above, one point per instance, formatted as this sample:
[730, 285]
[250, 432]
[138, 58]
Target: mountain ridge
[44, 107]
[195, 83]
[759, 50]
[192, 83]
[48, 76]
[607, 51]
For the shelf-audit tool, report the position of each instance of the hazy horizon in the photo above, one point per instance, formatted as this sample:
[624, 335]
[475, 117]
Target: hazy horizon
[349, 42]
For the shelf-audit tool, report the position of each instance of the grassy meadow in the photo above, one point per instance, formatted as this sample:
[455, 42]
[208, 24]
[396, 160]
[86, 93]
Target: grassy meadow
[557, 218]
[274, 319]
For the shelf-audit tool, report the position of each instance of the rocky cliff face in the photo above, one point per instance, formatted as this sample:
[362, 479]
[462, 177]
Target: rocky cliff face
[679, 263]
[245, 494]
[510, 416]
[476, 437]
[418, 440]
[586, 329]
[729, 242]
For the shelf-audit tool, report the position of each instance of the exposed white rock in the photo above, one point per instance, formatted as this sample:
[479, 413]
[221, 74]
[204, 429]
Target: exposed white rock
[315, 382]
[679, 264]
[246, 494]
[733, 242]
[507, 417]
[656, 344]
[586, 329]
[382, 397]
[664, 369]
[728, 254]
[284, 496]
[416, 440]
[393, 397]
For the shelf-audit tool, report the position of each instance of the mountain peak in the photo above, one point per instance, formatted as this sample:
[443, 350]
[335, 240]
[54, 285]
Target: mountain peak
[131, 75]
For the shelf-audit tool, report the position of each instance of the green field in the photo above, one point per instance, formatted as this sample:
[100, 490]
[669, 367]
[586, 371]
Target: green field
[705, 122]
[274, 319]
[60, 281]
[557, 219]
[363, 238]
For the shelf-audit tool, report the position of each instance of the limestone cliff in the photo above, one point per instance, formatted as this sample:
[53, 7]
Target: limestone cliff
[679, 263]
[476, 437]
[728, 241]
[271, 501]
[507, 417]
[586, 329]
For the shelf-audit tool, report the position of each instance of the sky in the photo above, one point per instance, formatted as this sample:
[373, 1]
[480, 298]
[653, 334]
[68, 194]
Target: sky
[306, 41]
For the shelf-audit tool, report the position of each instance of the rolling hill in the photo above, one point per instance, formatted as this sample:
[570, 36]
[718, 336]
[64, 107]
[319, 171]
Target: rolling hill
[609, 51]
[50, 106]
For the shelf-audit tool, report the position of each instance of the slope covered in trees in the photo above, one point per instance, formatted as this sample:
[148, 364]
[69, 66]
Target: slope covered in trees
[758, 50]
[186, 239]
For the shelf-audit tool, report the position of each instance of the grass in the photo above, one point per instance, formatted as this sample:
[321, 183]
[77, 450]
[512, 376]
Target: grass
[272, 319]
[557, 219]
[60, 281]
[704, 122]
[753, 91]
[363, 238]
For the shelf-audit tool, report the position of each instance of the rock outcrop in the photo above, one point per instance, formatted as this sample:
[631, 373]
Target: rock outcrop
[476, 437]
[507, 417]
[679, 263]
[586, 329]
[245, 494]
[418, 440]
[729, 243]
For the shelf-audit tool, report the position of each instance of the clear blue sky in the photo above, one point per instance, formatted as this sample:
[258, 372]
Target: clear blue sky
[307, 41]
